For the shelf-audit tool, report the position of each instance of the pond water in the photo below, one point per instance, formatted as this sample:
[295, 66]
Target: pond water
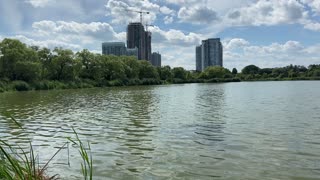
[247, 130]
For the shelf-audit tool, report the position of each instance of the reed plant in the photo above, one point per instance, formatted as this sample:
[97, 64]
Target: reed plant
[17, 164]
[86, 166]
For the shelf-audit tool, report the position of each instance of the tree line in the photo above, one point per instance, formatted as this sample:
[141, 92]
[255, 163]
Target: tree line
[25, 67]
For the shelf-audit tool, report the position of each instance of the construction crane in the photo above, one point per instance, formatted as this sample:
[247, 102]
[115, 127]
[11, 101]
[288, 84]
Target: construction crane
[140, 12]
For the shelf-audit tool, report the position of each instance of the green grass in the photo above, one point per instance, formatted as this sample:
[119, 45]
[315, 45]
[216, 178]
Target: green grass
[86, 166]
[17, 164]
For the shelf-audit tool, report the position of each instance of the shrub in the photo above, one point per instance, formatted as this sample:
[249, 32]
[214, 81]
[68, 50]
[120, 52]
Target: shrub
[132, 82]
[45, 85]
[150, 81]
[178, 81]
[20, 86]
[116, 82]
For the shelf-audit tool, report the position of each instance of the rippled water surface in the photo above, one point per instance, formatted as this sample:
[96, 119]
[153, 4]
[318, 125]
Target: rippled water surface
[256, 130]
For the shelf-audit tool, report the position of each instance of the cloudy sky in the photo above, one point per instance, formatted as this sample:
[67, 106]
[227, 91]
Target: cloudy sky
[267, 33]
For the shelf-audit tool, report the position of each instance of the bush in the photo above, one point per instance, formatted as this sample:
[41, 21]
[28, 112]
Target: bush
[133, 82]
[20, 86]
[178, 81]
[4, 86]
[116, 82]
[150, 81]
[45, 85]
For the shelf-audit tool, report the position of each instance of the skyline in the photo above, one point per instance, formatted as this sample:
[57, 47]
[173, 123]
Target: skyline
[267, 33]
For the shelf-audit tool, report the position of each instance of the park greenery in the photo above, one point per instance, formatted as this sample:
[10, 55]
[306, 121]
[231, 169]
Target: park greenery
[25, 67]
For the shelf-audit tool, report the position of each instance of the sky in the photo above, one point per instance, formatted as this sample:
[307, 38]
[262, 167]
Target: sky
[267, 33]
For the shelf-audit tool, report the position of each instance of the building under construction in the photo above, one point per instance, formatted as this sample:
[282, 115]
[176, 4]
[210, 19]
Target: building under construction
[138, 39]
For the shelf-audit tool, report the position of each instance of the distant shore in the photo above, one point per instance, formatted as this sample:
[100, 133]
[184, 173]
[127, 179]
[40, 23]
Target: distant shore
[56, 85]
[24, 68]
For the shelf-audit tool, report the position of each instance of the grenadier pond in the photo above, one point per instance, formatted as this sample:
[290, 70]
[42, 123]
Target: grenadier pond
[246, 130]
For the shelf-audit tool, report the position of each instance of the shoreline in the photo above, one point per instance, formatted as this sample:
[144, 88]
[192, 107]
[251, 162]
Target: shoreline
[22, 86]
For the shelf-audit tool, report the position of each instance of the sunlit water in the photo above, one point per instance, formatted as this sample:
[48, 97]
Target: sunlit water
[254, 130]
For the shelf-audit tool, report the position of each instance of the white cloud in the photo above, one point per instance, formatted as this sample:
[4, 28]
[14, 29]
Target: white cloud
[72, 34]
[314, 26]
[167, 11]
[168, 19]
[47, 43]
[40, 3]
[268, 12]
[235, 43]
[313, 4]
[177, 56]
[96, 30]
[122, 11]
[288, 48]
[273, 55]
[197, 15]
[185, 2]
[174, 37]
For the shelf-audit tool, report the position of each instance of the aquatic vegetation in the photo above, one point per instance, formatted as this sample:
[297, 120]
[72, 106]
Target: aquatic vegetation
[17, 163]
[86, 166]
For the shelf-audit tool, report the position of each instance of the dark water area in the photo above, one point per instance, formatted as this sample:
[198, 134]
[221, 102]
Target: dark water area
[247, 130]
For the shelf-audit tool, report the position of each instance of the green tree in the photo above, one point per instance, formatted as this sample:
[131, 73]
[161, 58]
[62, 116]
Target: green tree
[165, 73]
[28, 71]
[316, 73]
[132, 66]
[179, 73]
[63, 65]
[147, 70]
[45, 57]
[215, 72]
[251, 69]
[13, 52]
[234, 71]
[113, 68]
[87, 60]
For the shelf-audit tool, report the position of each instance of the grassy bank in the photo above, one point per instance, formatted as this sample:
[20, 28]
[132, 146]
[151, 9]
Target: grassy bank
[51, 85]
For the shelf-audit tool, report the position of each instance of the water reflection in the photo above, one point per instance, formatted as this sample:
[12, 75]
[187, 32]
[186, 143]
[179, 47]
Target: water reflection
[135, 142]
[210, 104]
[194, 131]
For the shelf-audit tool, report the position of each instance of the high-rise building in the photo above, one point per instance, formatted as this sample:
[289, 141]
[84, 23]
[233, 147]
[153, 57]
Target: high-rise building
[148, 46]
[118, 49]
[156, 59]
[114, 48]
[136, 38]
[211, 54]
[198, 58]
[132, 52]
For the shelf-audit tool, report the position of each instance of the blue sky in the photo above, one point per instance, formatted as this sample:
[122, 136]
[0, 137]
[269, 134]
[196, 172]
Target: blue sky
[267, 33]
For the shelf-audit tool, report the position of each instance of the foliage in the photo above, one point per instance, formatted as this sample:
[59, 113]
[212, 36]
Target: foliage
[16, 163]
[234, 71]
[20, 86]
[87, 165]
[28, 71]
[251, 69]
[21, 165]
[179, 73]
[215, 72]
[26, 68]
[147, 71]
[165, 73]
[291, 72]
